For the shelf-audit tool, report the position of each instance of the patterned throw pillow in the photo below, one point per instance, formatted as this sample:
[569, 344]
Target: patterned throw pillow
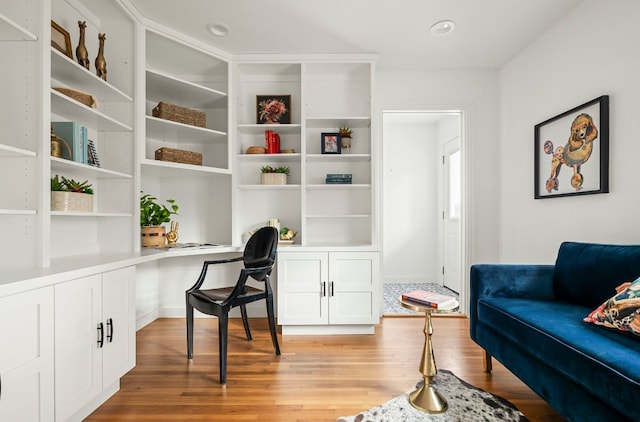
[622, 311]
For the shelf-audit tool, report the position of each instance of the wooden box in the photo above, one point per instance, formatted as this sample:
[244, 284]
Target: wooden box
[179, 156]
[179, 114]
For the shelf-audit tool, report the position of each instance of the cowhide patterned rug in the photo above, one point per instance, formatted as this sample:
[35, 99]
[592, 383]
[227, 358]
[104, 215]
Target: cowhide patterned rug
[466, 404]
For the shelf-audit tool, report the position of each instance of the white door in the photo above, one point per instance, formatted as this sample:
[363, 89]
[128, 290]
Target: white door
[451, 216]
[353, 277]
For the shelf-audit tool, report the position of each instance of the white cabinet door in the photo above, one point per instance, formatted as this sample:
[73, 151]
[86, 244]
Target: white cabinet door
[302, 288]
[78, 359]
[26, 356]
[353, 281]
[118, 315]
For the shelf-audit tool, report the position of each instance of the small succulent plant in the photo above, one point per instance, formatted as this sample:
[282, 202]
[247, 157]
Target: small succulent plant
[269, 169]
[70, 185]
[345, 132]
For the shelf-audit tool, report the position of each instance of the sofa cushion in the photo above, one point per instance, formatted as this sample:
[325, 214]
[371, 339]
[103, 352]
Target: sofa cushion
[602, 362]
[587, 273]
[621, 311]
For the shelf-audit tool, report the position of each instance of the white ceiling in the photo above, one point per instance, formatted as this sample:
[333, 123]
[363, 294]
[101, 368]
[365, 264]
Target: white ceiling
[488, 32]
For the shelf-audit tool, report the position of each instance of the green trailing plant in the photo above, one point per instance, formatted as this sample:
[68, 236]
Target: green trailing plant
[269, 169]
[153, 213]
[62, 184]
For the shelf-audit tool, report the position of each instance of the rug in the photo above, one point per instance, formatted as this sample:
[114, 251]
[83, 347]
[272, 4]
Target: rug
[392, 291]
[466, 404]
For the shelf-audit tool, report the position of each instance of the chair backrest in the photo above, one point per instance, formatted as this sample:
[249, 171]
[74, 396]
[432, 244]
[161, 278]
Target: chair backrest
[261, 250]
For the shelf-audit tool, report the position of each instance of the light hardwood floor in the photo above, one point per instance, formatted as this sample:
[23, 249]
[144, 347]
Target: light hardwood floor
[317, 378]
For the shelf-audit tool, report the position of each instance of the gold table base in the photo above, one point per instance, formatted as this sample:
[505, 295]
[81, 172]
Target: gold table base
[426, 398]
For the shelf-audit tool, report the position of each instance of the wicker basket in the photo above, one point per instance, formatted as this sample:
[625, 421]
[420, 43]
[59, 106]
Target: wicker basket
[152, 236]
[273, 179]
[82, 97]
[71, 201]
[179, 156]
[179, 114]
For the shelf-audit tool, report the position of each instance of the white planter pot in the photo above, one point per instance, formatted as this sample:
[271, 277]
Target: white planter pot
[71, 201]
[273, 179]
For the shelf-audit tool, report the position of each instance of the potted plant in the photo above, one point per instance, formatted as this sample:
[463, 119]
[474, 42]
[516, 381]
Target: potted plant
[152, 215]
[274, 175]
[71, 195]
[345, 137]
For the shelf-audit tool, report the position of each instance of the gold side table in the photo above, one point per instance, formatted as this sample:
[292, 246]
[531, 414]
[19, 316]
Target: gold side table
[426, 398]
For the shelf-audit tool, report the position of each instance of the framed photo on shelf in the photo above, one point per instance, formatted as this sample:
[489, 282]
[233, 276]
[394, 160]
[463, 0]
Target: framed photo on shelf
[273, 109]
[61, 40]
[572, 152]
[330, 143]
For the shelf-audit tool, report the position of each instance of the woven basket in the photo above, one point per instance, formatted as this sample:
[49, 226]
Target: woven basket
[71, 201]
[179, 156]
[152, 236]
[273, 179]
[82, 97]
[179, 114]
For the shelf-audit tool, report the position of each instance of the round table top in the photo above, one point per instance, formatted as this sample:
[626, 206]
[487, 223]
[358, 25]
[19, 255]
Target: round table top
[414, 306]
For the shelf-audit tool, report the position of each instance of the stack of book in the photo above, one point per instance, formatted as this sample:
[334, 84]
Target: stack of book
[82, 149]
[431, 299]
[340, 179]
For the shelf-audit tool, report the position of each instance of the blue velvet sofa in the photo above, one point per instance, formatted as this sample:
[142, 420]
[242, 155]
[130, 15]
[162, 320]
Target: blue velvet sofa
[530, 318]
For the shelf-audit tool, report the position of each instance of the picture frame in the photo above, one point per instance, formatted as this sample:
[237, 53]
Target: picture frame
[273, 109]
[571, 152]
[330, 143]
[61, 40]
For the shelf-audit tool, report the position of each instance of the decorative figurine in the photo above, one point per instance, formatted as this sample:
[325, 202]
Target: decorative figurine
[81, 51]
[172, 236]
[101, 63]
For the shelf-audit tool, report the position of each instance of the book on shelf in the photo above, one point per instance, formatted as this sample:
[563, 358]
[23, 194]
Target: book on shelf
[338, 182]
[335, 178]
[434, 300]
[76, 137]
[339, 175]
[92, 154]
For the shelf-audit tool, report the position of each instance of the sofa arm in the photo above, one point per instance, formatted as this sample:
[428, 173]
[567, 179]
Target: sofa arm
[502, 280]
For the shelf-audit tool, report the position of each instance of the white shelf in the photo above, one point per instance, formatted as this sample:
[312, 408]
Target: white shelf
[89, 214]
[320, 158]
[78, 112]
[270, 157]
[257, 129]
[168, 130]
[269, 187]
[316, 216]
[164, 87]
[11, 31]
[163, 168]
[9, 151]
[72, 75]
[335, 186]
[17, 212]
[60, 164]
[327, 122]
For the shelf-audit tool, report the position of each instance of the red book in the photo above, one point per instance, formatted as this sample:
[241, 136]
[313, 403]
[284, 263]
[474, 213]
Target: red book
[434, 300]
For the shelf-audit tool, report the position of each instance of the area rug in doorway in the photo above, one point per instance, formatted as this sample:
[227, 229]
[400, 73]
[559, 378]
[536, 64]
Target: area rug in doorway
[466, 403]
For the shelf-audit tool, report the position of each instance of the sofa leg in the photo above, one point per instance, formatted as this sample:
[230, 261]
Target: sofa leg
[488, 366]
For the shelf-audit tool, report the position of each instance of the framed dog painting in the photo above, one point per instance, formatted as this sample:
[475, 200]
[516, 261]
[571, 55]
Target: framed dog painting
[572, 152]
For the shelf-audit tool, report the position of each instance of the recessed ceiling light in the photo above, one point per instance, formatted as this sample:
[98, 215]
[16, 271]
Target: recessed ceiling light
[218, 29]
[443, 27]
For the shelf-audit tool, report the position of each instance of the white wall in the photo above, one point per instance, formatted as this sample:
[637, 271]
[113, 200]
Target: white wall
[410, 198]
[591, 52]
[476, 94]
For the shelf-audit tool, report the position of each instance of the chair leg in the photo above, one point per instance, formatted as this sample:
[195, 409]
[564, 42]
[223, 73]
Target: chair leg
[245, 321]
[189, 330]
[223, 326]
[272, 324]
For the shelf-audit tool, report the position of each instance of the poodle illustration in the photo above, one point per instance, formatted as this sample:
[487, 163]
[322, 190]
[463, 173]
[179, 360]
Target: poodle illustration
[574, 154]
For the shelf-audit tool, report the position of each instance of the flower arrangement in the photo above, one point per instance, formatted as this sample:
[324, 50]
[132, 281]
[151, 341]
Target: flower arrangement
[271, 110]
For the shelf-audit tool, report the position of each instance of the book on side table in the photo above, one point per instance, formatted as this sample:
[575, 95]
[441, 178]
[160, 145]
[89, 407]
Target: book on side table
[434, 300]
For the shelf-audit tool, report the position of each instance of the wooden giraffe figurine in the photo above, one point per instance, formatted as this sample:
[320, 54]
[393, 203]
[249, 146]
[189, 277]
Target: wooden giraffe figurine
[101, 63]
[81, 51]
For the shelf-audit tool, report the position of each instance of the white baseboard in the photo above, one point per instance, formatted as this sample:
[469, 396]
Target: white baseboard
[146, 319]
[327, 329]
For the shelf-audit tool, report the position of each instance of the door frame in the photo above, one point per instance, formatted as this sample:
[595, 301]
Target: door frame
[465, 211]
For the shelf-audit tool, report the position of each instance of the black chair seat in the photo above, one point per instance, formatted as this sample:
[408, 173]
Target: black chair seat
[259, 257]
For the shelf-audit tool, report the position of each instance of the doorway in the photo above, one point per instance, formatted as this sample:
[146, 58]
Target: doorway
[422, 198]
